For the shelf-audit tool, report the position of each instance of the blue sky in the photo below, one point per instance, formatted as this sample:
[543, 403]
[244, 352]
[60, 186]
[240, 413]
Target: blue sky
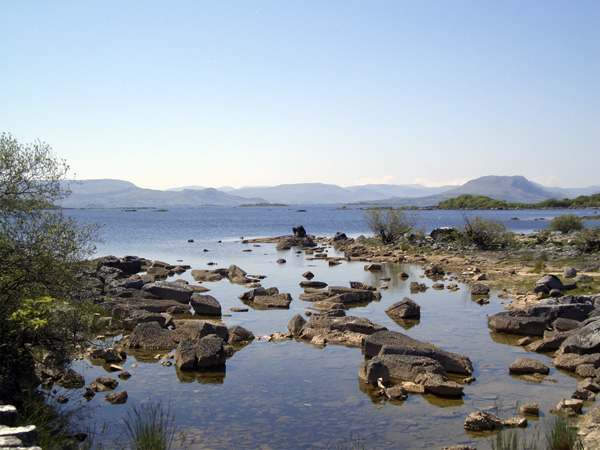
[248, 93]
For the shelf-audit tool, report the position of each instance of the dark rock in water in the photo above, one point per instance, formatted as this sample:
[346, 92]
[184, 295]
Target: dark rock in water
[308, 275]
[435, 272]
[479, 289]
[101, 384]
[517, 322]
[482, 421]
[150, 336]
[372, 370]
[168, 290]
[546, 283]
[128, 265]
[205, 305]
[207, 352]
[238, 334]
[309, 284]
[530, 409]
[404, 309]
[393, 342]
[296, 324]
[362, 286]
[528, 366]
[572, 307]
[339, 237]
[299, 231]
[70, 379]
[196, 329]
[117, 398]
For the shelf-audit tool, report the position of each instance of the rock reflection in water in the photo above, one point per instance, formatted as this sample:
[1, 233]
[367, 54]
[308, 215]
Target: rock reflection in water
[214, 376]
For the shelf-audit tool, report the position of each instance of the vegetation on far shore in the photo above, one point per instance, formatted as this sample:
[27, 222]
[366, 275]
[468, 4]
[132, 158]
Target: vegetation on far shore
[467, 201]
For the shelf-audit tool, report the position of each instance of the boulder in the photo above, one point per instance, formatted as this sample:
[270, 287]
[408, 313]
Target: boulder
[347, 295]
[117, 398]
[571, 307]
[193, 330]
[128, 265]
[150, 336]
[570, 407]
[482, 421]
[309, 284]
[408, 367]
[546, 283]
[299, 231]
[517, 322]
[272, 301]
[404, 309]
[209, 275]
[393, 342]
[206, 352]
[373, 267]
[168, 290]
[479, 289]
[529, 409]
[523, 366]
[20, 438]
[339, 237]
[571, 361]
[101, 384]
[570, 272]
[237, 275]
[238, 335]
[296, 324]
[372, 370]
[439, 385]
[205, 305]
[585, 340]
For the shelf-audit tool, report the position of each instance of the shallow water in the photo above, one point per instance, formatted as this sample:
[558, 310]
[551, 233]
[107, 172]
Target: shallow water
[291, 395]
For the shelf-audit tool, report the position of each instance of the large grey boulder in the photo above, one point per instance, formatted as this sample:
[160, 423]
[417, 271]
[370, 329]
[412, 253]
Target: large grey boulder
[547, 283]
[517, 322]
[150, 336]
[206, 352]
[193, 330]
[372, 370]
[408, 367]
[239, 335]
[205, 305]
[169, 290]
[585, 340]
[296, 324]
[567, 307]
[393, 342]
[404, 309]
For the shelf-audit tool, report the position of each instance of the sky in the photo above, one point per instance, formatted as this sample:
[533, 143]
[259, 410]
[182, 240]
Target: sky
[262, 93]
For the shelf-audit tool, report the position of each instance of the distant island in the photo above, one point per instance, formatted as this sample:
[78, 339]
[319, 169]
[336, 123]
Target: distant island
[504, 192]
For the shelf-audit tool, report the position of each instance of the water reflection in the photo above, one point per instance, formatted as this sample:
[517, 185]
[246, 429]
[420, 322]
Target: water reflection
[212, 376]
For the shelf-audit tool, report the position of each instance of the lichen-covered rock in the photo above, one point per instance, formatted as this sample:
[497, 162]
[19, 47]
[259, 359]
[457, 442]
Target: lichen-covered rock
[482, 421]
[523, 366]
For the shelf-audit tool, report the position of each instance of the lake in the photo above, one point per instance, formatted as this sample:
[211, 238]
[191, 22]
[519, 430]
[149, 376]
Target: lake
[291, 395]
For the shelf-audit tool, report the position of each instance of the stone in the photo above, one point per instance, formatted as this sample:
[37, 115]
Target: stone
[296, 324]
[313, 284]
[546, 283]
[70, 379]
[8, 415]
[408, 367]
[185, 356]
[523, 366]
[479, 289]
[102, 384]
[404, 309]
[570, 272]
[299, 231]
[238, 335]
[393, 342]
[515, 422]
[168, 290]
[372, 370]
[584, 341]
[150, 336]
[482, 421]
[193, 330]
[210, 352]
[205, 305]
[583, 394]
[529, 409]
[571, 361]
[308, 275]
[24, 437]
[570, 407]
[373, 267]
[117, 398]
[517, 322]
[237, 275]
[439, 385]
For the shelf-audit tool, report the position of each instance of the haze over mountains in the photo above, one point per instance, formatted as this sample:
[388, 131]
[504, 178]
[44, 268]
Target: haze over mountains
[123, 194]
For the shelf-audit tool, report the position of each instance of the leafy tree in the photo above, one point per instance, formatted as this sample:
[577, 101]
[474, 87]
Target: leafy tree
[389, 225]
[41, 255]
[484, 233]
[566, 223]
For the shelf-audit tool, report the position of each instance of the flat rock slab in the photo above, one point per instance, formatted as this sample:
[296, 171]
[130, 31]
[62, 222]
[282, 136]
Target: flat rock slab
[168, 290]
[523, 366]
[517, 322]
[393, 342]
[586, 340]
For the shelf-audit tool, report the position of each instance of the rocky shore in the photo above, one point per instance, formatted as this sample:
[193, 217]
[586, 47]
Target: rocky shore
[161, 317]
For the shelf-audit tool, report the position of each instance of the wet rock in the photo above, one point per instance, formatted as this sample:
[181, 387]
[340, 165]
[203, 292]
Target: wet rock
[150, 336]
[517, 322]
[439, 385]
[168, 290]
[585, 340]
[523, 366]
[206, 352]
[570, 361]
[205, 305]
[209, 275]
[313, 284]
[583, 394]
[102, 384]
[308, 275]
[117, 398]
[393, 342]
[193, 330]
[482, 421]
[417, 287]
[296, 324]
[515, 422]
[69, 379]
[348, 295]
[404, 309]
[238, 335]
[570, 407]
[479, 289]
[373, 267]
[529, 409]
[372, 370]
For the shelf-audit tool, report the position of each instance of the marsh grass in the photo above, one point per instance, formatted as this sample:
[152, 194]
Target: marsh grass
[561, 434]
[150, 426]
[351, 444]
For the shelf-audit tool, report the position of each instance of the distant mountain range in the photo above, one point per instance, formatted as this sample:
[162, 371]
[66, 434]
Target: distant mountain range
[123, 194]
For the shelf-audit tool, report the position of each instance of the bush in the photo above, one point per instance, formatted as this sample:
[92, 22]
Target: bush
[41, 253]
[389, 225]
[484, 233]
[566, 223]
[588, 241]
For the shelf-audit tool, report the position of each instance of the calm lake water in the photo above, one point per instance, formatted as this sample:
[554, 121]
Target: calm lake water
[291, 395]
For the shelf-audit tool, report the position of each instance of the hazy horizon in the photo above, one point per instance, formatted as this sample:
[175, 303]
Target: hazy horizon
[341, 92]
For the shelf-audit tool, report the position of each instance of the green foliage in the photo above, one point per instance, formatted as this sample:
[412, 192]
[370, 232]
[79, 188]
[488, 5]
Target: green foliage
[566, 223]
[389, 225]
[588, 241]
[484, 233]
[151, 427]
[561, 434]
[40, 255]
[467, 201]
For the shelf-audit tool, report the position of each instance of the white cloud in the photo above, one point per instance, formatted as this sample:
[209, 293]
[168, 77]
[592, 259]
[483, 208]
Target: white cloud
[387, 179]
[430, 183]
[546, 180]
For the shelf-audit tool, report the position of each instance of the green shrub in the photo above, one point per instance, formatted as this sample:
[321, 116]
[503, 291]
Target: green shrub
[484, 233]
[566, 223]
[389, 225]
